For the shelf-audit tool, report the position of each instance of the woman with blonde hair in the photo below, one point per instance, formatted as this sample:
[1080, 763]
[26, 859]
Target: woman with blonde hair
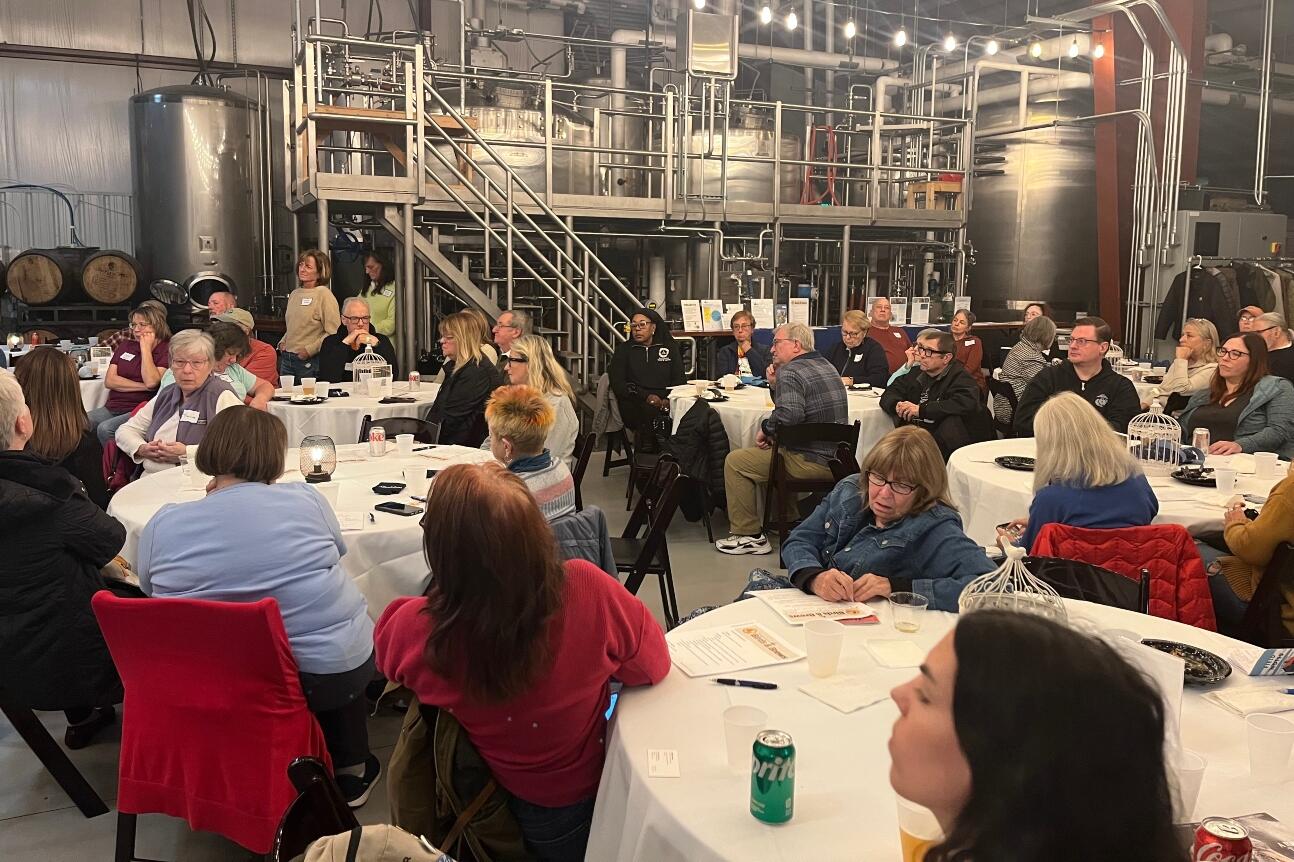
[531, 362]
[312, 315]
[1084, 475]
[857, 358]
[470, 377]
[1196, 362]
[891, 528]
[135, 373]
[62, 434]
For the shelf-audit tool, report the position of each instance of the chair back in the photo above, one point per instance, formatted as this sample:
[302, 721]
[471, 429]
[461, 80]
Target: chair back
[817, 432]
[845, 463]
[666, 491]
[662, 476]
[423, 431]
[1076, 580]
[584, 447]
[782, 486]
[318, 810]
[1262, 624]
[213, 713]
[1002, 389]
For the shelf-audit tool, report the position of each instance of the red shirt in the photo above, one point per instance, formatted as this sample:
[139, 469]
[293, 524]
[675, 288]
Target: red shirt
[546, 746]
[895, 341]
[970, 353]
[263, 361]
[128, 366]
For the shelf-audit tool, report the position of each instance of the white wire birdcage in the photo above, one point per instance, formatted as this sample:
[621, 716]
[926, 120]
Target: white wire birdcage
[1011, 587]
[1155, 440]
[371, 373]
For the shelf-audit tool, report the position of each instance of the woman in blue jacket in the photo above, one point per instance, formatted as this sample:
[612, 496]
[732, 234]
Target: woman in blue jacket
[890, 529]
[743, 357]
[1245, 409]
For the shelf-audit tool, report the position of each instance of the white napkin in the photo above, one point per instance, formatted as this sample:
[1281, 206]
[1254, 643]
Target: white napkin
[351, 521]
[845, 693]
[1247, 701]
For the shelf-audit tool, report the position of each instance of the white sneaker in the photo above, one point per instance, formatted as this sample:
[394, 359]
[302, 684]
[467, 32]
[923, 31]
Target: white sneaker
[744, 545]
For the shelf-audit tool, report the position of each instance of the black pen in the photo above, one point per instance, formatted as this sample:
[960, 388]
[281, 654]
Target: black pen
[748, 683]
[424, 448]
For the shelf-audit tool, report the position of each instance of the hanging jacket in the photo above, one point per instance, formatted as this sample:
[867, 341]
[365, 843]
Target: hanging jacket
[1258, 289]
[1112, 394]
[1266, 423]
[700, 445]
[1235, 296]
[1207, 301]
[865, 363]
[606, 412]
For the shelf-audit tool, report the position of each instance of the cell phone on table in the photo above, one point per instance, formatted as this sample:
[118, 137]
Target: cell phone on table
[398, 509]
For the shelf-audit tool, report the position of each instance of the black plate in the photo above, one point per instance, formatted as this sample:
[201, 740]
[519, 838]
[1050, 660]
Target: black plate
[1202, 666]
[281, 398]
[714, 396]
[1199, 478]
[1015, 462]
[398, 399]
[309, 402]
[1153, 380]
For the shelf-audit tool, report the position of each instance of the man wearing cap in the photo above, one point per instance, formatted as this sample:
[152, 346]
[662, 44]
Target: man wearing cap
[263, 361]
[1248, 315]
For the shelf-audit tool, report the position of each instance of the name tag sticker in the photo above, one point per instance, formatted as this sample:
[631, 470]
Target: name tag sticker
[858, 357]
[898, 334]
[306, 300]
[969, 342]
[388, 291]
[189, 416]
[126, 357]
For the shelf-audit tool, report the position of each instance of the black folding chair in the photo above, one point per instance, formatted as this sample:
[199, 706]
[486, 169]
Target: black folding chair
[1002, 389]
[318, 810]
[1077, 580]
[845, 463]
[637, 557]
[54, 759]
[1262, 624]
[584, 447]
[783, 489]
[422, 430]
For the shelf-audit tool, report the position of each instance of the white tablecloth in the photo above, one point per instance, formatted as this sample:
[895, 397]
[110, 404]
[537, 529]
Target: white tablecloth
[747, 408]
[987, 495]
[385, 558]
[844, 807]
[340, 418]
[93, 394]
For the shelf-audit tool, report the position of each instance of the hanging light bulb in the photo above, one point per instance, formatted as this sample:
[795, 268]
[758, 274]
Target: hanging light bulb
[792, 21]
[698, 4]
[991, 47]
[765, 15]
[1073, 47]
[1098, 51]
[950, 42]
[851, 29]
[1035, 49]
[901, 38]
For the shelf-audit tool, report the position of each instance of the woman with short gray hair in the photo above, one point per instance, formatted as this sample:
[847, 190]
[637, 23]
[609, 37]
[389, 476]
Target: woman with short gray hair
[1280, 354]
[1023, 362]
[177, 417]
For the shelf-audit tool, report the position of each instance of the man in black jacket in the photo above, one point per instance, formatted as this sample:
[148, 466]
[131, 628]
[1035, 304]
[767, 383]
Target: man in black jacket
[1088, 374]
[339, 349]
[938, 394]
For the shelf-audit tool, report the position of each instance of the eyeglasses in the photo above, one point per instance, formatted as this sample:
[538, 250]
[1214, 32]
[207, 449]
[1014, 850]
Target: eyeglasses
[1261, 331]
[777, 341]
[743, 326]
[642, 325]
[190, 363]
[140, 326]
[1083, 342]
[926, 351]
[876, 480]
[357, 319]
[852, 333]
[520, 360]
[1232, 354]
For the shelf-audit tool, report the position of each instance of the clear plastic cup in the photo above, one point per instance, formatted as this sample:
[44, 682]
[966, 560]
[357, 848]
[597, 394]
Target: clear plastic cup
[1225, 479]
[740, 725]
[1265, 465]
[909, 610]
[1188, 773]
[404, 445]
[287, 382]
[918, 830]
[308, 387]
[1270, 739]
[823, 640]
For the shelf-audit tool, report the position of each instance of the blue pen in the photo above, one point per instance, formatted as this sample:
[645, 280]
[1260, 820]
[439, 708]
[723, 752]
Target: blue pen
[1289, 691]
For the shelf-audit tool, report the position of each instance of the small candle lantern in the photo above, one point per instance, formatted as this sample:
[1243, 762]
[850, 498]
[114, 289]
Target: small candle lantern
[318, 459]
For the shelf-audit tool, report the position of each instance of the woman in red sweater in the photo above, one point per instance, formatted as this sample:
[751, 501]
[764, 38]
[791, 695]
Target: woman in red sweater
[520, 648]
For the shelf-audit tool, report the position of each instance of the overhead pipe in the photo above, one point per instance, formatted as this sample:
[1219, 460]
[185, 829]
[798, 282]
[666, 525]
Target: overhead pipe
[1248, 101]
[1052, 49]
[1064, 83]
[1264, 106]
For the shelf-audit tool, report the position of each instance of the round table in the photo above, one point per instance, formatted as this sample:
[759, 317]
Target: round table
[844, 806]
[987, 495]
[746, 408]
[341, 418]
[384, 557]
[93, 393]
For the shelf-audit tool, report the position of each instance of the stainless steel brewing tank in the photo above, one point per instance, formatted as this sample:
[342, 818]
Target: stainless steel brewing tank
[748, 182]
[1034, 224]
[192, 154]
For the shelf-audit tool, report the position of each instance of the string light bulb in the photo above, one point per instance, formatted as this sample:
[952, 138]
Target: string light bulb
[766, 15]
[851, 29]
[1035, 49]
[950, 42]
[901, 38]
[991, 47]
[1073, 48]
[698, 4]
[792, 20]
[1098, 51]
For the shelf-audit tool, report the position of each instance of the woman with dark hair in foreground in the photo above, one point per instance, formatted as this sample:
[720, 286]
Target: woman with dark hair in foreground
[1031, 742]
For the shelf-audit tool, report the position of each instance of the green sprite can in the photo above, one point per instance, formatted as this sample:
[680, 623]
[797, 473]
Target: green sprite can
[772, 777]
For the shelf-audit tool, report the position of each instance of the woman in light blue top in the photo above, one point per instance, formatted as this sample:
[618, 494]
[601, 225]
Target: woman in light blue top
[251, 538]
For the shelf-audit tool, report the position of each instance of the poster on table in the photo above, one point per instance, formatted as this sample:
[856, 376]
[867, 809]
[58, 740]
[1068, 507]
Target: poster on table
[920, 312]
[691, 315]
[799, 311]
[712, 315]
[898, 310]
[763, 311]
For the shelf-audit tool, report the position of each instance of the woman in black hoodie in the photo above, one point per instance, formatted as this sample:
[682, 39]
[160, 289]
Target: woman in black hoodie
[643, 369]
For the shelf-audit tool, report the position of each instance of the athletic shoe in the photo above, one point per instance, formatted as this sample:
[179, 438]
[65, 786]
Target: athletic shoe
[744, 545]
[355, 788]
[80, 735]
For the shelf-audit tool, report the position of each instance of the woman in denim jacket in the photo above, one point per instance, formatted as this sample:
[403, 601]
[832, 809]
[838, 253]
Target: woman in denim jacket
[890, 529]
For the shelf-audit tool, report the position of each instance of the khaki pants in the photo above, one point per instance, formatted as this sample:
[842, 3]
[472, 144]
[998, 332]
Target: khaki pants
[746, 470]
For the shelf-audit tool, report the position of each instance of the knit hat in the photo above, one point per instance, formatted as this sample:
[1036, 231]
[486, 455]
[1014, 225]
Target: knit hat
[380, 843]
[239, 316]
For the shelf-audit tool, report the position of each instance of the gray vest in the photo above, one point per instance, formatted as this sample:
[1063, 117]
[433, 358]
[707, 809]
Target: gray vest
[202, 403]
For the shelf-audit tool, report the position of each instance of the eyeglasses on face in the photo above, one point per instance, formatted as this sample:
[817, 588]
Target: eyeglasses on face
[520, 360]
[876, 480]
[138, 325]
[357, 319]
[1232, 354]
[777, 341]
[1082, 342]
[743, 326]
[852, 333]
[190, 363]
[927, 352]
[640, 324]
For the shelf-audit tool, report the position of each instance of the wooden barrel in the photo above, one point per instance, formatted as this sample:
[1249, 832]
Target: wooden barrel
[47, 276]
[110, 277]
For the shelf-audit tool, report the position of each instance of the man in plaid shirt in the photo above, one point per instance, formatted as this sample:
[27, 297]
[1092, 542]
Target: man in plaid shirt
[807, 388]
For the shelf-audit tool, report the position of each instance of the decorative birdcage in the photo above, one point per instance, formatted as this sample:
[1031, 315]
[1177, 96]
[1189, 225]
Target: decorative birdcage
[371, 373]
[1155, 440]
[1011, 587]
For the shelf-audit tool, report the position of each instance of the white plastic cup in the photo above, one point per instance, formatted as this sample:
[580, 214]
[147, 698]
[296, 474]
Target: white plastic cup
[1265, 465]
[331, 492]
[415, 480]
[1225, 479]
[92, 340]
[700, 386]
[287, 381]
[1188, 772]
[919, 830]
[823, 640]
[308, 387]
[740, 725]
[1270, 739]
[404, 445]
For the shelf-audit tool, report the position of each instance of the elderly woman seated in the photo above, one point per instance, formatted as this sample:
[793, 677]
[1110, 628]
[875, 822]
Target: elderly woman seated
[520, 418]
[177, 417]
[232, 345]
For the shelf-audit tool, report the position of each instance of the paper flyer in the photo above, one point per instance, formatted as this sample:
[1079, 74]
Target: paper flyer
[712, 315]
[797, 607]
[763, 311]
[742, 646]
[799, 311]
[691, 315]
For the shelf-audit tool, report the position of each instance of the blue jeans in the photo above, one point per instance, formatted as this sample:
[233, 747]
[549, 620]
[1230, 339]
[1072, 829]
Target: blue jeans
[290, 363]
[105, 423]
[554, 834]
[1228, 608]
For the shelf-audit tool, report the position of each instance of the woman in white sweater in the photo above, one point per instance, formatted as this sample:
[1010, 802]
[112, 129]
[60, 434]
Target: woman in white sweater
[531, 362]
[1196, 362]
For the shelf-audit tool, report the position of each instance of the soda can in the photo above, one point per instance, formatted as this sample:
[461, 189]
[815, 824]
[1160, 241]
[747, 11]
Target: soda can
[772, 777]
[415, 381]
[1200, 439]
[376, 441]
[1219, 839]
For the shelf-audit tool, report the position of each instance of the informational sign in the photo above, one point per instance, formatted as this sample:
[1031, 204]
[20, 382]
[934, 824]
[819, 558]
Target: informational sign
[729, 310]
[799, 311]
[691, 315]
[763, 311]
[961, 303]
[898, 310]
[712, 315]
[920, 312]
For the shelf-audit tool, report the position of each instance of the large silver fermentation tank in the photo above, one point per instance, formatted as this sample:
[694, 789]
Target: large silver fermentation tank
[1033, 217]
[193, 157]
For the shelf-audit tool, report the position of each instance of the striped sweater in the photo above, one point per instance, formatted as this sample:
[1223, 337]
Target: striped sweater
[549, 480]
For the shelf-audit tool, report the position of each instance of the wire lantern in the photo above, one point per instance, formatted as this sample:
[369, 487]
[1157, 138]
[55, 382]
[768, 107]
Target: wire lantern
[318, 459]
[372, 373]
[1011, 587]
[1155, 440]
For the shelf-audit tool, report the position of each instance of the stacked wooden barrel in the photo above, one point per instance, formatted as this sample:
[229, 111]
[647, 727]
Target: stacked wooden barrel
[66, 288]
